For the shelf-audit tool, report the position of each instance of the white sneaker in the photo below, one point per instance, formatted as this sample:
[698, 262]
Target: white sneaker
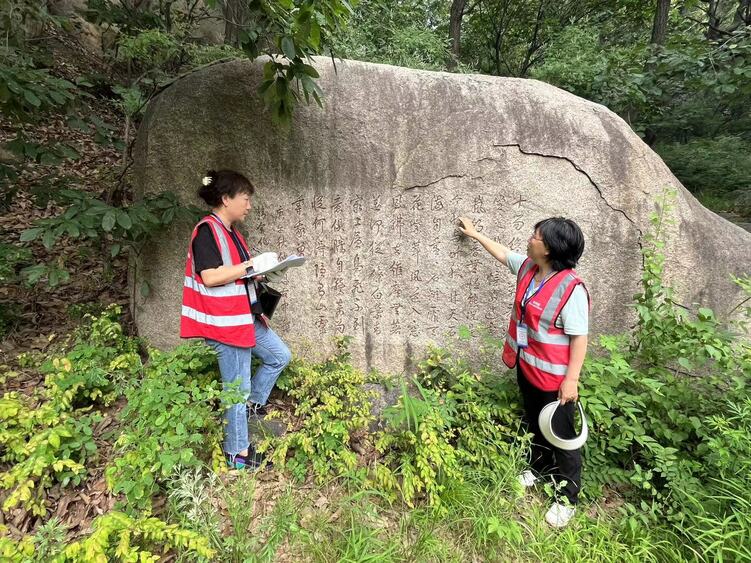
[559, 515]
[527, 479]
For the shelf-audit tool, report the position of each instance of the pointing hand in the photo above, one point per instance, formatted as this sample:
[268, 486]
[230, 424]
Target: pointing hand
[467, 227]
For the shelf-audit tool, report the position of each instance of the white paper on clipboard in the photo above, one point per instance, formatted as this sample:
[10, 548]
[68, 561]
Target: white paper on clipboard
[291, 261]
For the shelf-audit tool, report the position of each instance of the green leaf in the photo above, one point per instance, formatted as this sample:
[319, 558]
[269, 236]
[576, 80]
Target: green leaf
[67, 151]
[288, 47]
[50, 159]
[315, 35]
[54, 439]
[108, 221]
[124, 220]
[168, 216]
[706, 314]
[310, 71]
[75, 122]
[32, 98]
[48, 239]
[59, 98]
[31, 234]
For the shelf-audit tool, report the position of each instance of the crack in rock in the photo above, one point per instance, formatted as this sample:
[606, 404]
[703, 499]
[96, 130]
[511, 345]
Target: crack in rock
[578, 169]
[532, 153]
[407, 188]
[596, 187]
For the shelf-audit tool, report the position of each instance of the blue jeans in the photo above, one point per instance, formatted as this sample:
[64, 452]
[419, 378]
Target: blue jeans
[234, 365]
[274, 355]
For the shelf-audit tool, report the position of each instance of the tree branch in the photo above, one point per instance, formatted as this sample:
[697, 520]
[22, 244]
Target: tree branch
[709, 25]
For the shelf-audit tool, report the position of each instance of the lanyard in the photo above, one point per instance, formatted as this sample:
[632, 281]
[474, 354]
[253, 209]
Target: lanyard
[529, 293]
[243, 254]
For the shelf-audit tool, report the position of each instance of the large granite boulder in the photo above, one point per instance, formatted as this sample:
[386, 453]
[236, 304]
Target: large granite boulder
[370, 186]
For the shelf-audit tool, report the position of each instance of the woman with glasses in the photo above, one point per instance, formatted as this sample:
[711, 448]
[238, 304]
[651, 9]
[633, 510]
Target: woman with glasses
[546, 342]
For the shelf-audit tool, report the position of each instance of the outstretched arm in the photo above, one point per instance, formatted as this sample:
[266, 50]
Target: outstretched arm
[496, 249]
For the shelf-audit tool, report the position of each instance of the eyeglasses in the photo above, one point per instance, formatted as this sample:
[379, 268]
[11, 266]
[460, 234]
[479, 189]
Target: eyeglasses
[533, 237]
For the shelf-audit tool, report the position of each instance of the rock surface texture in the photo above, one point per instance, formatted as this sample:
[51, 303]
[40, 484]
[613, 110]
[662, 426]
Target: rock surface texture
[370, 186]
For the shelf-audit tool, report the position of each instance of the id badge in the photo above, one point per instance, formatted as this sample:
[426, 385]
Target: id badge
[521, 335]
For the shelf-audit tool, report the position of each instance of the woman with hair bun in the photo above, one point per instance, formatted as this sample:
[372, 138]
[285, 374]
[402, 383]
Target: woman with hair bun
[220, 306]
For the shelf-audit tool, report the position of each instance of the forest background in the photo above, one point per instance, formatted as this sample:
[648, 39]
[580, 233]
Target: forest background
[85, 476]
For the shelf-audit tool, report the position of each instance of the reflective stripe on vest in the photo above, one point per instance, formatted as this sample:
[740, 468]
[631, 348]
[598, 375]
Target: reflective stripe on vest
[548, 315]
[228, 290]
[527, 265]
[215, 320]
[220, 313]
[555, 369]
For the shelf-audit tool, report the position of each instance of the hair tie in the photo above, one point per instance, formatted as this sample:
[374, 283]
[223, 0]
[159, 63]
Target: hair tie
[206, 181]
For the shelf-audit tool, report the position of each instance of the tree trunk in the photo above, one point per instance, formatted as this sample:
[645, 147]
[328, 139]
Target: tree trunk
[742, 14]
[660, 23]
[235, 16]
[713, 23]
[455, 31]
[534, 42]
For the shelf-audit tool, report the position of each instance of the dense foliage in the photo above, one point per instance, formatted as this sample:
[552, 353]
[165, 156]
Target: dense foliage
[332, 407]
[682, 83]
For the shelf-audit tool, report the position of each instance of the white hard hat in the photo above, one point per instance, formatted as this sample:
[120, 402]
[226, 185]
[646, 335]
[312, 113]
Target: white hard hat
[545, 420]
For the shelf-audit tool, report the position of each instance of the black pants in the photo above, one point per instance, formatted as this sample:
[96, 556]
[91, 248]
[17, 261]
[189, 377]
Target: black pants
[563, 465]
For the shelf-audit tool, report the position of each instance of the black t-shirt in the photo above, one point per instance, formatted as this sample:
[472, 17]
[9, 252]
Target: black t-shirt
[206, 254]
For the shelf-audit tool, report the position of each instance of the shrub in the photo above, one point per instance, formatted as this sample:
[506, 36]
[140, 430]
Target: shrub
[122, 537]
[709, 165]
[458, 422]
[92, 221]
[332, 407]
[49, 437]
[172, 417]
[27, 92]
[718, 516]
[419, 454]
[649, 394]
[44, 446]
[97, 368]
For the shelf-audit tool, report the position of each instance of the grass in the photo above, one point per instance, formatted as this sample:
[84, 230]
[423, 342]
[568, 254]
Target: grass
[227, 512]
[485, 518]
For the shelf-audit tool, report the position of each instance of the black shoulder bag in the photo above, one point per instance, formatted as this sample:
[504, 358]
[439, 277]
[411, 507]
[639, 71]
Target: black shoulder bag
[268, 299]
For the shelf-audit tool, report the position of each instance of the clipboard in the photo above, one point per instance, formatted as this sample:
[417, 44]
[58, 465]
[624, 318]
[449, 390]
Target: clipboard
[291, 261]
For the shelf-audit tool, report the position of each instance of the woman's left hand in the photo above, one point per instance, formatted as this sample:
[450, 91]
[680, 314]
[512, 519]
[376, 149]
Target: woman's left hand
[568, 391]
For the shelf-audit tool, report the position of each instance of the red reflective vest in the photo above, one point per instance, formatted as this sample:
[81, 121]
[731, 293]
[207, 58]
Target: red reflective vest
[223, 312]
[545, 361]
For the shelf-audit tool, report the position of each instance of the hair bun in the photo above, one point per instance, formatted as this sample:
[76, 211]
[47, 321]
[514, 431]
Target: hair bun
[209, 179]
